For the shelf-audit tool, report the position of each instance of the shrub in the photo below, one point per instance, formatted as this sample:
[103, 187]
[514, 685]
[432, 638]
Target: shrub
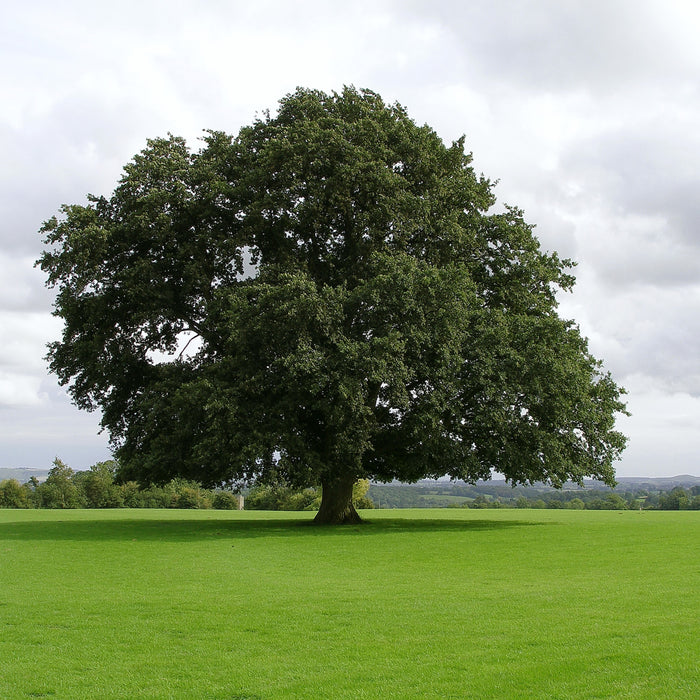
[225, 500]
[13, 495]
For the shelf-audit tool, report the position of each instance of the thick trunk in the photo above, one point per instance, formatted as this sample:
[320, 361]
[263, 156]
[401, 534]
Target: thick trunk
[336, 503]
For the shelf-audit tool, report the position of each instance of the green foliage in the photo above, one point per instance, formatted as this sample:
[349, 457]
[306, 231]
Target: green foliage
[95, 488]
[12, 495]
[225, 500]
[98, 487]
[677, 499]
[59, 491]
[177, 493]
[392, 326]
[360, 498]
[491, 494]
[281, 497]
[189, 494]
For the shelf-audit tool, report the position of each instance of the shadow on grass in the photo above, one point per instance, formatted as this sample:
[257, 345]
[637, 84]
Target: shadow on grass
[174, 529]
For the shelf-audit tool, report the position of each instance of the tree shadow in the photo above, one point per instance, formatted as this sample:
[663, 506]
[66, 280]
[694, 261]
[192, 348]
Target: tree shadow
[93, 528]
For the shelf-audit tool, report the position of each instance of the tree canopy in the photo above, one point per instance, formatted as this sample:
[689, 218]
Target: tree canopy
[329, 295]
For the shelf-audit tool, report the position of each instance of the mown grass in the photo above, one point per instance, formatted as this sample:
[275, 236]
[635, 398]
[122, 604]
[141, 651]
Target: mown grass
[414, 604]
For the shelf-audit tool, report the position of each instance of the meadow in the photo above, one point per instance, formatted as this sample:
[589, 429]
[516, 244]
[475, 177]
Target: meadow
[446, 603]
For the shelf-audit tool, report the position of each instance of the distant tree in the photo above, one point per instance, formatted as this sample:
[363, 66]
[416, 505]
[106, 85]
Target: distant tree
[12, 495]
[157, 497]
[33, 495]
[676, 499]
[616, 502]
[611, 502]
[576, 504]
[480, 502]
[360, 499]
[131, 494]
[390, 325]
[59, 491]
[99, 488]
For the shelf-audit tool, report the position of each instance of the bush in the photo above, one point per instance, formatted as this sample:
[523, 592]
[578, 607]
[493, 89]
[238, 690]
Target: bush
[131, 495]
[158, 497]
[225, 500]
[191, 497]
[13, 495]
[281, 497]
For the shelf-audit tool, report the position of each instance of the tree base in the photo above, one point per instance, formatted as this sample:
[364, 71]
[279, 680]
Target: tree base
[336, 504]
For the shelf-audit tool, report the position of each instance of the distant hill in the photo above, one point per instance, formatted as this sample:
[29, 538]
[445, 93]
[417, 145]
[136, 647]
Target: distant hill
[442, 493]
[22, 474]
[663, 483]
[659, 483]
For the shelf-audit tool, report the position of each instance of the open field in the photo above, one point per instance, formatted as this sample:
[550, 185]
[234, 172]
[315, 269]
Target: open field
[414, 604]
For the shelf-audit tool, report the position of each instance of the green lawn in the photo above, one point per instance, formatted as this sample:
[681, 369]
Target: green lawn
[414, 604]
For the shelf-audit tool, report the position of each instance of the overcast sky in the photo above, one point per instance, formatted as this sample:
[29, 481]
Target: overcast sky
[587, 112]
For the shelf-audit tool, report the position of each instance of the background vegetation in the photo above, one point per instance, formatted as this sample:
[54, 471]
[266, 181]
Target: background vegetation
[97, 488]
[494, 494]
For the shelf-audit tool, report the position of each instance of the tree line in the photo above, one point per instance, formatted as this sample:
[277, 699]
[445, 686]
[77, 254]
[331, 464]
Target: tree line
[494, 495]
[98, 487]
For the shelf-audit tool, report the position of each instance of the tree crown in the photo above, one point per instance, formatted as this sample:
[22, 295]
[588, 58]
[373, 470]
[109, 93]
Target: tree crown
[326, 296]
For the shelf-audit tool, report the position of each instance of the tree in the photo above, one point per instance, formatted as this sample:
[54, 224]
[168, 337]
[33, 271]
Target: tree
[12, 495]
[360, 499]
[59, 491]
[98, 486]
[677, 499]
[328, 296]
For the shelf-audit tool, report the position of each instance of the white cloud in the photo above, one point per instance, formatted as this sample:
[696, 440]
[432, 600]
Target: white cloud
[22, 351]
[17, 389]
[664, 431]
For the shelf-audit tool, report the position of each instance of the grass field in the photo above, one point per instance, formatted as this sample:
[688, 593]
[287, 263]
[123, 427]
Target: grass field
[414, 604]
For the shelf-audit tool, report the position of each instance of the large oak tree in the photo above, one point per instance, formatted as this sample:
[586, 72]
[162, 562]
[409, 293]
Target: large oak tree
[329, 295]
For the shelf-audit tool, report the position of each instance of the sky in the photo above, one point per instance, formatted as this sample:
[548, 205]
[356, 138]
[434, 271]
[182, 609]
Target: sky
[586, 112]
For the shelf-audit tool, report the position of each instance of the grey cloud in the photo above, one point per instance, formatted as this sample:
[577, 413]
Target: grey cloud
[651, 169]
[33, 435]
[23, 287]
[646, 334]
[78, 145]
[565, 45]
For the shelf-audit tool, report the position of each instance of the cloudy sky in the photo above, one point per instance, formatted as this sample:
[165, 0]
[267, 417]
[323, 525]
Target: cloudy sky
[586, 111]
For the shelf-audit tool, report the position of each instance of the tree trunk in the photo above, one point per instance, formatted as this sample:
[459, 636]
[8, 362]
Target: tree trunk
[336, 503]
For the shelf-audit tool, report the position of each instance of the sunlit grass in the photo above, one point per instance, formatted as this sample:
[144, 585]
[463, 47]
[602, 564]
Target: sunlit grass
[414, 604]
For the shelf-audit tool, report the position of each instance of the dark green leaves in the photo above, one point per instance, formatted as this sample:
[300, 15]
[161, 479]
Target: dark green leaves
[352, 308]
